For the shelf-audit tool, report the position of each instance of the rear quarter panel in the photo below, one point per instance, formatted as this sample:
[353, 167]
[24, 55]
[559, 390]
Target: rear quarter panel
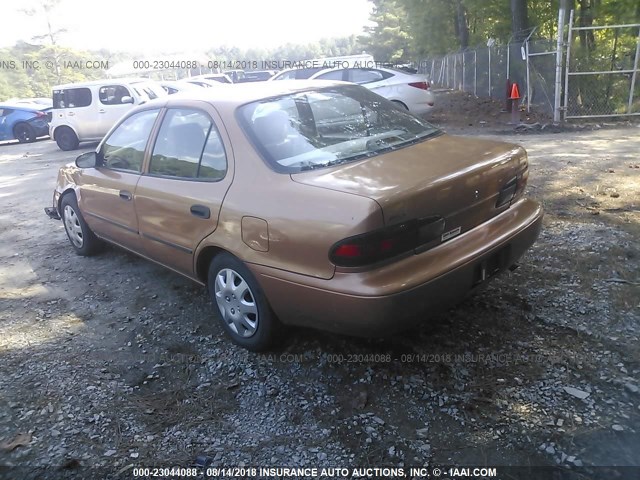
[303, 221]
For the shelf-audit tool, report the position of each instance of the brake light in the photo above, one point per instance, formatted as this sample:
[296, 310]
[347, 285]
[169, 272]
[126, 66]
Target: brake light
[513, 188]
[41, 114]
[386, 243]
[507, 192]
[420, 85]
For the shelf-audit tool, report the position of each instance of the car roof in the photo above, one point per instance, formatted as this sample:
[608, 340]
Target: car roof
[104, 81]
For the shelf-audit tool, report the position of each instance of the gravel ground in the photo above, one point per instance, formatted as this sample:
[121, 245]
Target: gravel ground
[111, 362]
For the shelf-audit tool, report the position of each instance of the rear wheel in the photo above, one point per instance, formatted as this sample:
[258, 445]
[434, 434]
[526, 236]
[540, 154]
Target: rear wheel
[240, 304]
[82, 239]
[66, 139]
[400, 104]
[24, 133]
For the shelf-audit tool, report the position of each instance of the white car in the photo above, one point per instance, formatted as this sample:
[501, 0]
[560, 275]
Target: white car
[408, 90]
[86, 111]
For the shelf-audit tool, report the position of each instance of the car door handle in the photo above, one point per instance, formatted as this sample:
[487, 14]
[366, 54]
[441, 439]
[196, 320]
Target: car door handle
[125, 195]
[200, 211]
[70, 114]
[101, 110]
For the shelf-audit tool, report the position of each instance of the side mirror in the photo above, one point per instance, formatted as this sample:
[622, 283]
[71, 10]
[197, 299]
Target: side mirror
[87, 160]
[126, 99]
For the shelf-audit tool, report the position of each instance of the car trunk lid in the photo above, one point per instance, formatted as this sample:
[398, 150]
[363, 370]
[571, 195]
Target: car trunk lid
[456, 181]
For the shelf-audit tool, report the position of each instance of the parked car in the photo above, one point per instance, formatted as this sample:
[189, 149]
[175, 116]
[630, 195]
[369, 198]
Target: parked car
[86, 111]
[23, 121]
[410, 91]
[310, 203]
[178, 86]
[257, 76]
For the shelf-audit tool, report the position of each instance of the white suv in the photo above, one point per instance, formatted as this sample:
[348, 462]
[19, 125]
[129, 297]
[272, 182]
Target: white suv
[86, 111]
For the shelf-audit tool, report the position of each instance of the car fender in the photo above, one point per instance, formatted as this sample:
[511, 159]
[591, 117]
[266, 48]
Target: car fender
[52, 129]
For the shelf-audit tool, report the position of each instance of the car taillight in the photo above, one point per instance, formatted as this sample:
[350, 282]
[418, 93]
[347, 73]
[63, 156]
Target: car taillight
[507, 192]
[513, 188]
[41, 114]
[420, 85]
[386, 243]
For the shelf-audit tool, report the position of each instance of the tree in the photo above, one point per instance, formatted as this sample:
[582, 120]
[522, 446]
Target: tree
[45, 8]
[389, 40]
[519, 20]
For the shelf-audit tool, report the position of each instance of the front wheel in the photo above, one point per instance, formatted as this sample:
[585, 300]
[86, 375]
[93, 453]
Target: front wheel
[240, 304]
[82, 239]
[24, 133]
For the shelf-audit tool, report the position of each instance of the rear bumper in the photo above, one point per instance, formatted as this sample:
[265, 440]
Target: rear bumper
[391, 298]
[52, 212]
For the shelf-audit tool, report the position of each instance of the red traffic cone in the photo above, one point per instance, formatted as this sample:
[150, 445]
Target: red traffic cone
[515, 92]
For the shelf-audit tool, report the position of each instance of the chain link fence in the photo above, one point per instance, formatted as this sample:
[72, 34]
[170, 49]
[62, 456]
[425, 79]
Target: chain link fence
[486, 71]
[603, 77]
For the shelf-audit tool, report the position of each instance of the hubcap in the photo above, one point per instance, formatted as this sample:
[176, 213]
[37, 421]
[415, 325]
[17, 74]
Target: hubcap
[72, 226]
[22, 134]
[236, 303]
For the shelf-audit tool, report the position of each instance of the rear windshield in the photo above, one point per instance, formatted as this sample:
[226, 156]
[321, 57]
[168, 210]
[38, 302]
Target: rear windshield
[328, 126]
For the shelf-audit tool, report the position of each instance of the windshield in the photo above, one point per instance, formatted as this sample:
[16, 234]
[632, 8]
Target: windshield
[327, 126]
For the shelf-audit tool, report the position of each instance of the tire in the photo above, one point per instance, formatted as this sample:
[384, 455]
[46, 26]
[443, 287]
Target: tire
[82, 239]
[66, 139]
[400, 104]
[240, 304]
[24, 133]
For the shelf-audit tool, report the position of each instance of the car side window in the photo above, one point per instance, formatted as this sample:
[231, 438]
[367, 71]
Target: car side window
[188, 146]
[72, 98]
[113, 94]
[124, 148]
[332, 75]
[364, 75]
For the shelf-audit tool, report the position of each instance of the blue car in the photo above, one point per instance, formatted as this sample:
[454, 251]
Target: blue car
[24, 122]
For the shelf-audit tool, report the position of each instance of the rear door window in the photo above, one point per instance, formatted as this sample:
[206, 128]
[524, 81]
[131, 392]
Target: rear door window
[366, 75]
[332, 75]
[72, 97]
[188, 147]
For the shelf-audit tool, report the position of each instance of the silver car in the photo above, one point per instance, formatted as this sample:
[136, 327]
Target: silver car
[86, 111]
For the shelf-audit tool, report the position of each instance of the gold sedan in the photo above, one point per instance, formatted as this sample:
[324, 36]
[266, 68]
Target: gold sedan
[307, 203]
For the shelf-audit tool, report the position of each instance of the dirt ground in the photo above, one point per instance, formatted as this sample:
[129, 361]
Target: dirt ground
[111, 363]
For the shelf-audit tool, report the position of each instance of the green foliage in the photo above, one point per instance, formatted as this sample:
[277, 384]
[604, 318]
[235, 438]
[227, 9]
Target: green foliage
[326, 47]
[409, 29]
[390, 39]
[32, 70]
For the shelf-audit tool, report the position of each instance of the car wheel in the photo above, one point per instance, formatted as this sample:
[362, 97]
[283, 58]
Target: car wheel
[240, 304]
[24, 133]
[66, 139]
[82, 239]
[400, 104]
